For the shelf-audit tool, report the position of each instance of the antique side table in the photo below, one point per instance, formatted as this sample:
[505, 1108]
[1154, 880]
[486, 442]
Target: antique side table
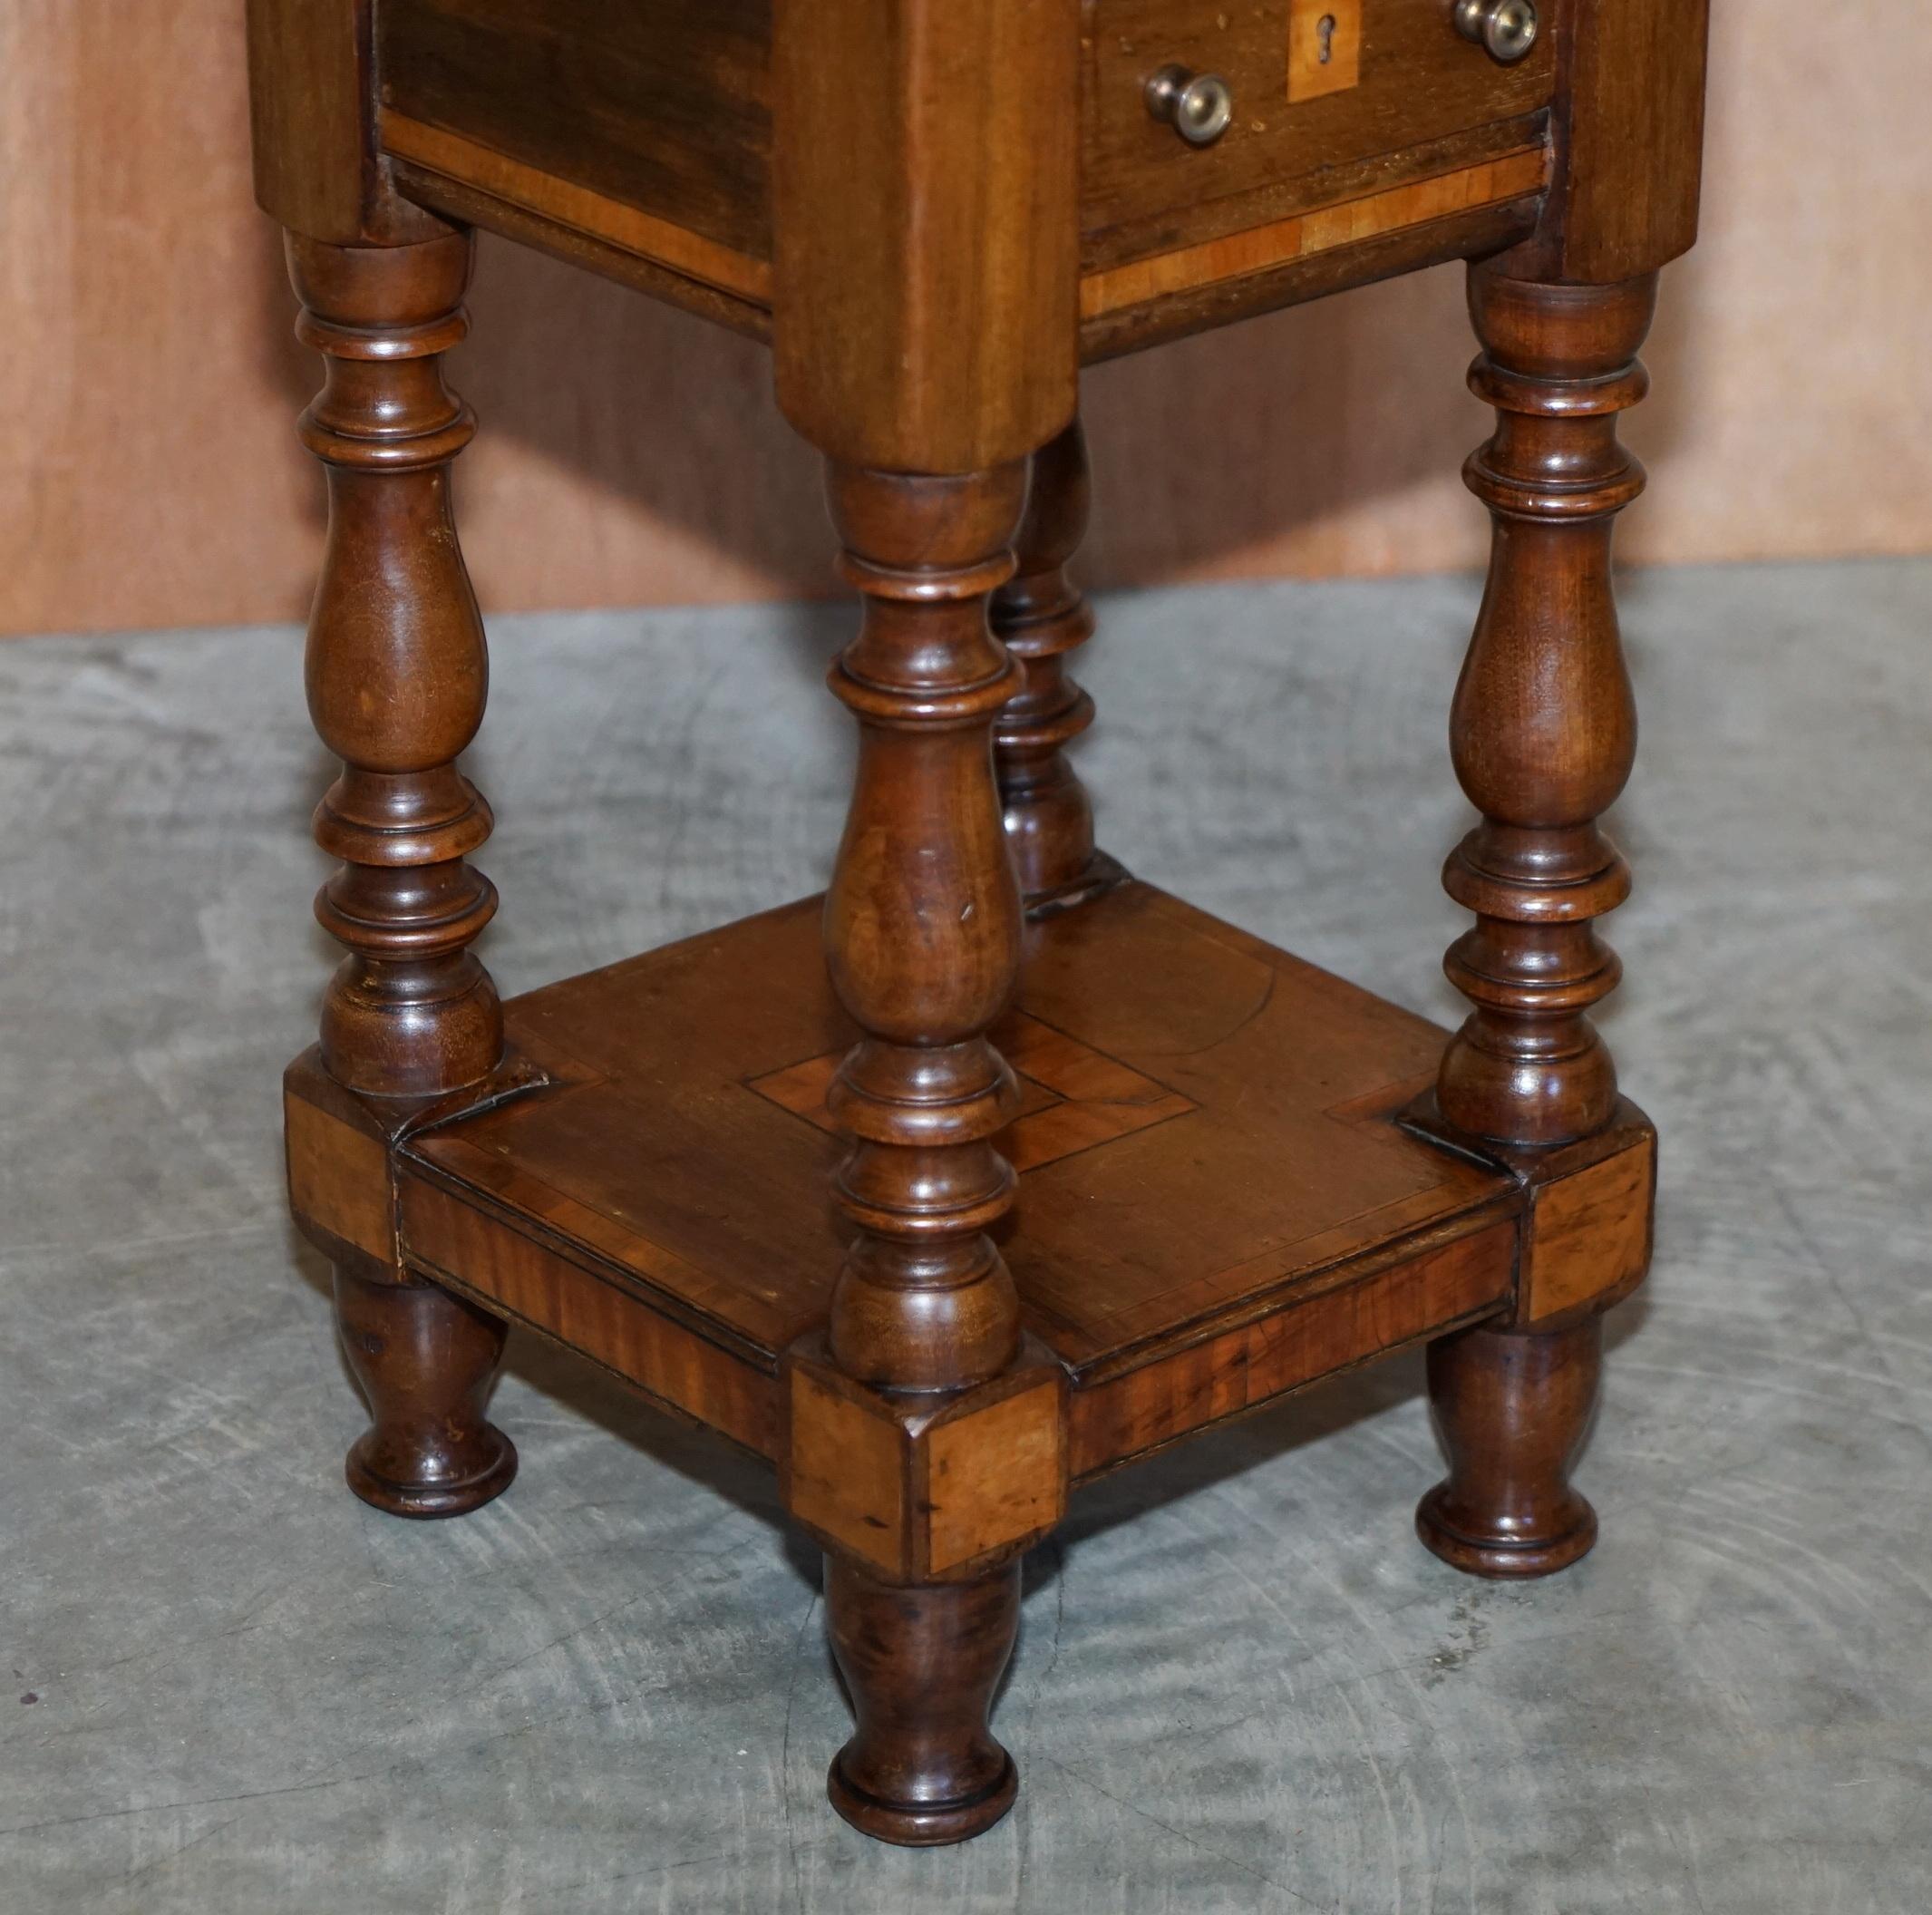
[994, 1170]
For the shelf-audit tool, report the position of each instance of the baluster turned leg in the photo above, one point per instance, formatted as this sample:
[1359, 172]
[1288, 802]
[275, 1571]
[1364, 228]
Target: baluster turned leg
[1041, 615]
[928, 345]
[1543, 732]
[922, 929]
[396, 674]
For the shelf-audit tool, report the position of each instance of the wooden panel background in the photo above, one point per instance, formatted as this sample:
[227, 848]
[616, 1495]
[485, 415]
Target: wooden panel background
[148, 475]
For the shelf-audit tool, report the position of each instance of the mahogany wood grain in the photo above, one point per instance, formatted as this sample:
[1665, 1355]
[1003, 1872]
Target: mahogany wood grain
[1290, 1164]
[1629, 141]
[651, 130]
[845, 1474]
[1512, 1409]
[308, 82]
[1419, 82]
[631, 1157]
[1347, 1319]
[1071, 1098]
[922, 1487]
[921, 1665]
[922, 935]
[1041, 615]
[395, 673]
[342, 1148]
[1248, 251]
[600, 239]
[926, 325]
[679, 249]
[993, 1474]
[922, 945]
[1543, 732]
[636, 1255]
[1344, 223]
[1589, 1236]
[658, 105]
[425, 1361]
[1585, 1231]
[317, 168]
[1196, 222]
[1250, 1106]
[925, 339]
[1168, 316]
[656, 1344]
[1254, 259]
[338, 1177]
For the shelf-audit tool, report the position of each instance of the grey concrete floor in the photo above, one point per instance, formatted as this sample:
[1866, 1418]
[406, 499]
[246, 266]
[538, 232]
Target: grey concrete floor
[1240, 1684]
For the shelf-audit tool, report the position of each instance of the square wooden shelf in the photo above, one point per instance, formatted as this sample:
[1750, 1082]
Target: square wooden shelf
[1217, 1203]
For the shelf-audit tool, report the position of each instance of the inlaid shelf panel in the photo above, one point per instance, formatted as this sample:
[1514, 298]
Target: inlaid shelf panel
[1224, 1193]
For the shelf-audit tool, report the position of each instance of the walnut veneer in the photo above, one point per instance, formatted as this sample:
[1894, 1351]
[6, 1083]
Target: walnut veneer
[993, 1168]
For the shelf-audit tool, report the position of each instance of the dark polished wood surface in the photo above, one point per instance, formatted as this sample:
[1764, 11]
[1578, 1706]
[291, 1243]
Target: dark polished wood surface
[1204, 1127]
[994, 1170]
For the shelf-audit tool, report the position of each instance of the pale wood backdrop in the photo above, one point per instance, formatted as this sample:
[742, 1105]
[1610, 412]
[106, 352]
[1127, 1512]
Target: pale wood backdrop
[148, 475]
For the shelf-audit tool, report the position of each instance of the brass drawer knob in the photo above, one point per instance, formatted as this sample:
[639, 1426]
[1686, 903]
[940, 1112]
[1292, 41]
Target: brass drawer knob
[1198, 106]
[1506, 27]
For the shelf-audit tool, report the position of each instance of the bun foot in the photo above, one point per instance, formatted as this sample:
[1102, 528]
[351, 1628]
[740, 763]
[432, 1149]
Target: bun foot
[425, 1361]
[921, 1664]
[1501, 1553]
[428, 1482]
[922, 1826]
[1511, 1408]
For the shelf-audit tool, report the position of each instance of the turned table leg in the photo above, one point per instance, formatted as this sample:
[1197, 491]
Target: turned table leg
[396, 675]
[1040, 617]
[922, 928]
[928, 354]
[1543, 733]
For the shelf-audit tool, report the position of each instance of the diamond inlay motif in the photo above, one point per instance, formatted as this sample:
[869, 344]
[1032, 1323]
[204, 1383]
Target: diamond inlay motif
[1074, 1098]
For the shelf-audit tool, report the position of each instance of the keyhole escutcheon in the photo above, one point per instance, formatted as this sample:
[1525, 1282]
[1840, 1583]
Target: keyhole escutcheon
[1324, 36]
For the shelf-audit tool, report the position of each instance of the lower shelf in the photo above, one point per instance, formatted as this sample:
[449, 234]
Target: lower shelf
[1217, 1202]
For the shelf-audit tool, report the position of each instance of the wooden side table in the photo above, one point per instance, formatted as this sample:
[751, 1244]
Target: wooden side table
[994, 1170]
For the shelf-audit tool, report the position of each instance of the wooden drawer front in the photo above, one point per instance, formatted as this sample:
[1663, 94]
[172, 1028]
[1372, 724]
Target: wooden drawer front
[1426, 102]
[646, 124]
[662, 106]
